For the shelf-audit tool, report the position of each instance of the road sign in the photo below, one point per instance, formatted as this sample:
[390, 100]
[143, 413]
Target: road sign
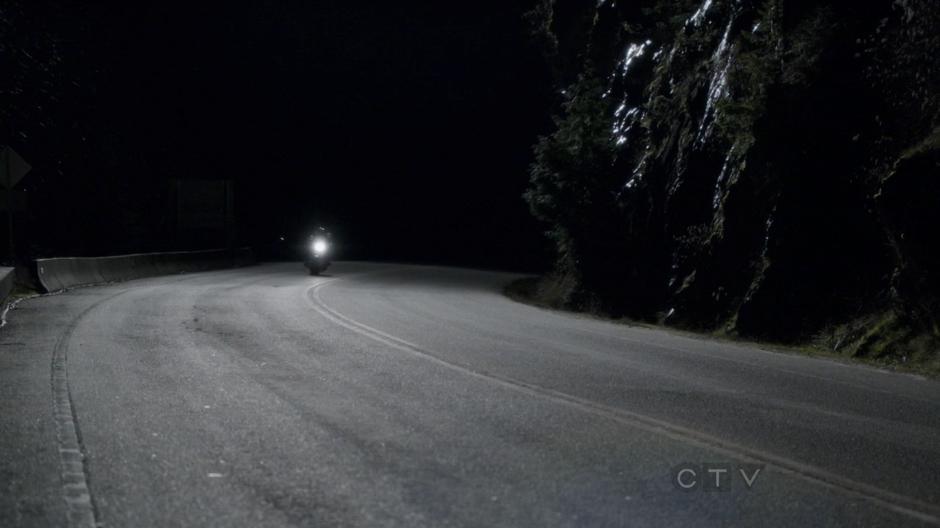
[12, 168]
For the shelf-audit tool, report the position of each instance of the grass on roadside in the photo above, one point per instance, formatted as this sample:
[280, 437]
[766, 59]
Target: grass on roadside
[883, 340]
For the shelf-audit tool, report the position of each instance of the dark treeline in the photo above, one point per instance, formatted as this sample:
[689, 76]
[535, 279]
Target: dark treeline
[98, 116]
[764, 168]
[403, 127]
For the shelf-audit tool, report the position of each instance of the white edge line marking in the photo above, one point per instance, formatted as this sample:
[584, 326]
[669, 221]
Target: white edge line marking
[12, 305]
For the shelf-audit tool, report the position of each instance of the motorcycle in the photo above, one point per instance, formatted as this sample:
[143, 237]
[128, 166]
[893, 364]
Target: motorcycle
[319, 252]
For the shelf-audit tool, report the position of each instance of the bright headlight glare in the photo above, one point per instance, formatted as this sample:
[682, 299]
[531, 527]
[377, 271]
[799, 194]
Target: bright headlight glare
[320, 246]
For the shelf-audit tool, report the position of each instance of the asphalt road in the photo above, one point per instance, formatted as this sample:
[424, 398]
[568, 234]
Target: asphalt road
[391, 395]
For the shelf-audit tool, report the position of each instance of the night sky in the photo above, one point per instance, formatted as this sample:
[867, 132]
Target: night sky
[406, 127]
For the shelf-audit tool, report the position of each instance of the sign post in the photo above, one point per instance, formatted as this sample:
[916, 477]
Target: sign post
[12, 170]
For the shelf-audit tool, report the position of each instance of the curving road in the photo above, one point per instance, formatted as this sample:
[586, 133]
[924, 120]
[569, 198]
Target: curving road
[393, 395]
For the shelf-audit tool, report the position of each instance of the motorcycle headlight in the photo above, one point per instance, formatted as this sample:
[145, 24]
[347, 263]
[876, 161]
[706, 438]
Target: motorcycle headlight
[320, 246]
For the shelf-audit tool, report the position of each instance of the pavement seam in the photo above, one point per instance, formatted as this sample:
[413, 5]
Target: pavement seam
[901, 504]
[81, 510]
[80, 503]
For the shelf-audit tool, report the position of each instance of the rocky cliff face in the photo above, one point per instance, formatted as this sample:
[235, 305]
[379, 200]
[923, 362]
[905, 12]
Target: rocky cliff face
[764, 167]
